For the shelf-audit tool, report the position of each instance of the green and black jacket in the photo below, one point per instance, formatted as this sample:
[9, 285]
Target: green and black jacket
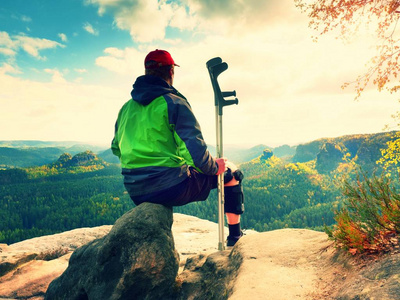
[157, 138]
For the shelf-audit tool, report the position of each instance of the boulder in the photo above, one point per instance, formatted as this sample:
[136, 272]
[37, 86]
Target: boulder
[210, 276]
[28, 267]
[267, 154]
[136, 260]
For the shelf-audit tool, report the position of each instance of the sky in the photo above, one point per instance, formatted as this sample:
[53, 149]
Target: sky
[67, 67]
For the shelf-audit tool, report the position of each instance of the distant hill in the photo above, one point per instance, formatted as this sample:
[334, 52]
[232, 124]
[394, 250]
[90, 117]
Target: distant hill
[23, 154]
[70, 145]
[32, 143]
[328, 153]
[240, 155]
[235, 154]
[27, 157]
[85, 159]
[108, 156]
[83, 162]
[67, 164]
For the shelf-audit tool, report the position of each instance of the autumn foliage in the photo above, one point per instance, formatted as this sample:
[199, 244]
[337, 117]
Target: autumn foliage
[391, 154]
[345, 17]
[369, 221]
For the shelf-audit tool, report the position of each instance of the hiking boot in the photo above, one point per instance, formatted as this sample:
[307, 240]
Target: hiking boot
[231, 240]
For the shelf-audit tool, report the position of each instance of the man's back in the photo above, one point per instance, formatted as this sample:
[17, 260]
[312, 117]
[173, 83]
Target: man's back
[157, 137]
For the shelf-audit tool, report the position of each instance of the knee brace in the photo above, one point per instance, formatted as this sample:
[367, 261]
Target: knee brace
[234, 199]
[229, 175]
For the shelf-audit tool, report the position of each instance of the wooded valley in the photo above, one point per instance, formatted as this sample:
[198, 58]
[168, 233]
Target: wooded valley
[300, 191]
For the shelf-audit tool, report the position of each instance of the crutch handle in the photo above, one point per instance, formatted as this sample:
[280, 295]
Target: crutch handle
[230, 102]
[229, 94]
[215, 67]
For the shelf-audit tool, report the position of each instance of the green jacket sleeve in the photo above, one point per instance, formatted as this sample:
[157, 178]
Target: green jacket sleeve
[114, 144]
[188, 135]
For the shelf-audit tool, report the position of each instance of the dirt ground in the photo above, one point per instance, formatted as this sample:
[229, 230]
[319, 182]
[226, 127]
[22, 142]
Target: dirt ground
[281, 264]
[284, 264]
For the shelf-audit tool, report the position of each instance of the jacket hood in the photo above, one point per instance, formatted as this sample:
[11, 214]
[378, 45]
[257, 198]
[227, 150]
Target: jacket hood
[148, 87]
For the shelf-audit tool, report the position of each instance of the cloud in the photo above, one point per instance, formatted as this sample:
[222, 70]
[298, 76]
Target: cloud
[22, 18]
[183, 19]
[26, 18]
[57, 75]
[63, 37]
[81, 71]
[6, 41]
[237, 16]
[251, 10]
[124, 62]
[7, 52]
[271, 57]
[58, 110]
[9, 69]
[146, 20]
[288, 87]
[32, 46]
[89, 28]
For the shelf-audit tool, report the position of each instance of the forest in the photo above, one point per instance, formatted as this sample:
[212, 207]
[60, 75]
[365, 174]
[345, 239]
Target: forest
[85, 191]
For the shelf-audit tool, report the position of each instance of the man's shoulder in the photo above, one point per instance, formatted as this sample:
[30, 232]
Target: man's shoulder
[126, 105]
[175, 99]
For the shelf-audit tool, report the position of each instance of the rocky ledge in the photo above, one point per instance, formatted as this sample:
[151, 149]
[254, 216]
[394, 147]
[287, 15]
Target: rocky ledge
[141, 257]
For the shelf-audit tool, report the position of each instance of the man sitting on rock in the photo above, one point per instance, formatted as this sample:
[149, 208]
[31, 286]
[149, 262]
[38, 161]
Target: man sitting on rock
[163, 155]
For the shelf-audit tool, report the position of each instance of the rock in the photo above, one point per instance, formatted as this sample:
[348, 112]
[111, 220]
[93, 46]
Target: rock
[3, 247]
[329, 157]
[307, 152]
[267, 154]
[210, 277]
[64, 159]
[15, 261]
[31, 280]
[136, 260]
[83, 159]
[280, 264]
[195, 236]
[46, 247]
[29, 266]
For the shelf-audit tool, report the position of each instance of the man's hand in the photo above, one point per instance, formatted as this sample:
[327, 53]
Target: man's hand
[221, 165]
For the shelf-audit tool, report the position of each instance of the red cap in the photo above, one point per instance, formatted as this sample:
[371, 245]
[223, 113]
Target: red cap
[158, 58]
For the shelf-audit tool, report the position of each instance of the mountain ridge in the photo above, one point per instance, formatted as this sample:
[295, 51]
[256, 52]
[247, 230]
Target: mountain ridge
[303, 152]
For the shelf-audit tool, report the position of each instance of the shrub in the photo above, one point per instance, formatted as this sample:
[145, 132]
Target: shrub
[369, 220]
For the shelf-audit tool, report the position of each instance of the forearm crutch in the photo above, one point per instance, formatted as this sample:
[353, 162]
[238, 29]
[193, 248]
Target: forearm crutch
[215, 67]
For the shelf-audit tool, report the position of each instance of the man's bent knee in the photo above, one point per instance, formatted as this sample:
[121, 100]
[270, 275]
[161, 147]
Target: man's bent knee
[233, 177]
